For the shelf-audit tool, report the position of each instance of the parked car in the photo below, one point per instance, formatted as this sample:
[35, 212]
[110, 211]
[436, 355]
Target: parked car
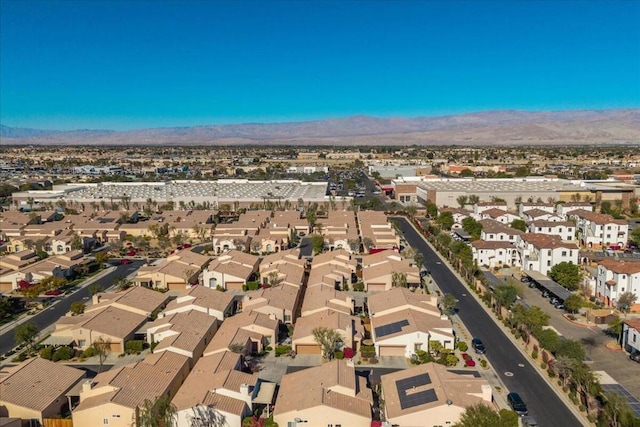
[529, 422]
[525, 279]
[478, 346]
[125, 261]
[635, 356]
[517, 404]
[545, 294]
[559, 306]
[468, 360]
[186, 245]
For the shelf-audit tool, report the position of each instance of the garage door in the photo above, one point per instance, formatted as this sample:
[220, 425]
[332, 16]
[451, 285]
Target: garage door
[308, 349]
[392, 351]
[6, 286]
[234, 286]
[115, 347]
[176, 286]
[376, 287]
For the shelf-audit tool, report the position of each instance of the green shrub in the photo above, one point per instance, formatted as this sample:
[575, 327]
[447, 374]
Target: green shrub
[367, 351]
[543, 365]
[462, 346]
[133, 346]
[269, 348]
[63, 353]
[253, 286]
[534, 354]
[46, 352]
[551, 373]
[338, 354]
[153, 345]
[483, 363]
[282, 349]
[21, 357]
[89, 352]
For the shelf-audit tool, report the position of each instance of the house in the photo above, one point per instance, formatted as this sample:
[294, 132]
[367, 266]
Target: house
[350, 328]
[480, 207]
[493, 231]
[329, 394]
[403, 332]
[17, 260]
[336, 268]
[540, 206]
[251, 332]
[540, 215]
[37, 389]
[597, 230]
[499, 215]
[239, 234]
[376, 231]
[274, 261]
[210, 301]
[615, 277]
[540, 252]
[282, 301]
[111, 324]
[630, 336]
[114, 397]
[565, 209]
[325, 297]
[284, 267]
[380, 276]
[340, 231]
[566, 230]
[215, 393]
[430, 395]
[187, 333]
[139, 300]
[176, 272]
[231, 270]
[458, 215]
[494, 253]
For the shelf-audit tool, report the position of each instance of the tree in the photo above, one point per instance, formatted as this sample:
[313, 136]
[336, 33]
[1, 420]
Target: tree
[473, 199]
[101, 347]
[94, 289]
[626, 300]
[615, 327]
[418, 258]
[354, 245]
[448, 303]
[311, 216]
[573, 303]
[472, 227]
[157, 413]
[445, 220]
[101, 258]
[77, 307]
[635, 236]
[26, 333]
[530, 320]
[398, 280]
[317, 243]
[462, 200]
[273, 279]
[432, 209]
[567, 274]
[328, 339]
[76, 243]
[563, 366]
[571, 349]
[519, 224]
[367, 242]
[481, 415]
[505, 295]
[121, 283]
[548, 339]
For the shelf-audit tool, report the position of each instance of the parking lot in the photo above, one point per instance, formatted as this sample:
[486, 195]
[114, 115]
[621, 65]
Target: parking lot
[593, 338]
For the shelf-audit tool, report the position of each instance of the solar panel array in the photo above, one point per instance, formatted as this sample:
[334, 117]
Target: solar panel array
[408, 398]
[391, 328]
[634, 404]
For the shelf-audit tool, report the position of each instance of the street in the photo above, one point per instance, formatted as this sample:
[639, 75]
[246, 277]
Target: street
[53, 312]
[513, 368]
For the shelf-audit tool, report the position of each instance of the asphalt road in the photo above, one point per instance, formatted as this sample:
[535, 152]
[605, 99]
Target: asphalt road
[511, 366]
[52, 313]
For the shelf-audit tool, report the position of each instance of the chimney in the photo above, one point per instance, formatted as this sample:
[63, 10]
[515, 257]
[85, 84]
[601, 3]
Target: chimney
[87, 386]
[244, 389]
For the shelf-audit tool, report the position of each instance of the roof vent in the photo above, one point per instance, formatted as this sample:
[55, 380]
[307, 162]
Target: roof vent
[449, 402]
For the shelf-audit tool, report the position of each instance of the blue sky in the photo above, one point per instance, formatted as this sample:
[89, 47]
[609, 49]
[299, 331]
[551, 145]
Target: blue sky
[132, 64]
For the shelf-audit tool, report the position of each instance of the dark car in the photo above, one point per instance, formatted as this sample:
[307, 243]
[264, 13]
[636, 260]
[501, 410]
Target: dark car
[635, 356]
[125, 261]
[478, 346]
[517, 404]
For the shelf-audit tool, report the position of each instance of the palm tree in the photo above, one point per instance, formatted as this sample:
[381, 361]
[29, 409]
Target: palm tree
[462, 200]
[328, 339]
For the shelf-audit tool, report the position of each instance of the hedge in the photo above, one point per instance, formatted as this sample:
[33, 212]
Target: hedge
[133, 346]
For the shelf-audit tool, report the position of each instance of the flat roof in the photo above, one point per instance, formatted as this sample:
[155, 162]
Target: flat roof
[502, 185]
[554, 287]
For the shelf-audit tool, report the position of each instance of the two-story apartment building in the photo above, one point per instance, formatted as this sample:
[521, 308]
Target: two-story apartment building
[597, 230]
[615, 277]
[540, 252]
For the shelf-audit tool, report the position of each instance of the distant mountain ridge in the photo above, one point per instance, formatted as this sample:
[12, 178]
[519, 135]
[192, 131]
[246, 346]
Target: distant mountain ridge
[499, 127]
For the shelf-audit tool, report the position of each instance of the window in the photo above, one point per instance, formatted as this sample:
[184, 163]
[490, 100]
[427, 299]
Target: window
[105, 421]
[564, 253]
[549, 252]
[115, 416]
[417, 346]
[287, 318]
[549, 263]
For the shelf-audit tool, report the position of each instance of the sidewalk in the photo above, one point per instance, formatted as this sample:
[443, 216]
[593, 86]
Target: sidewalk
[520, 346]
[25, 317]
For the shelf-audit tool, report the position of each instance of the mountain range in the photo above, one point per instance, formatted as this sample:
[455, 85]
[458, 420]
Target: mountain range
[505, 127]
